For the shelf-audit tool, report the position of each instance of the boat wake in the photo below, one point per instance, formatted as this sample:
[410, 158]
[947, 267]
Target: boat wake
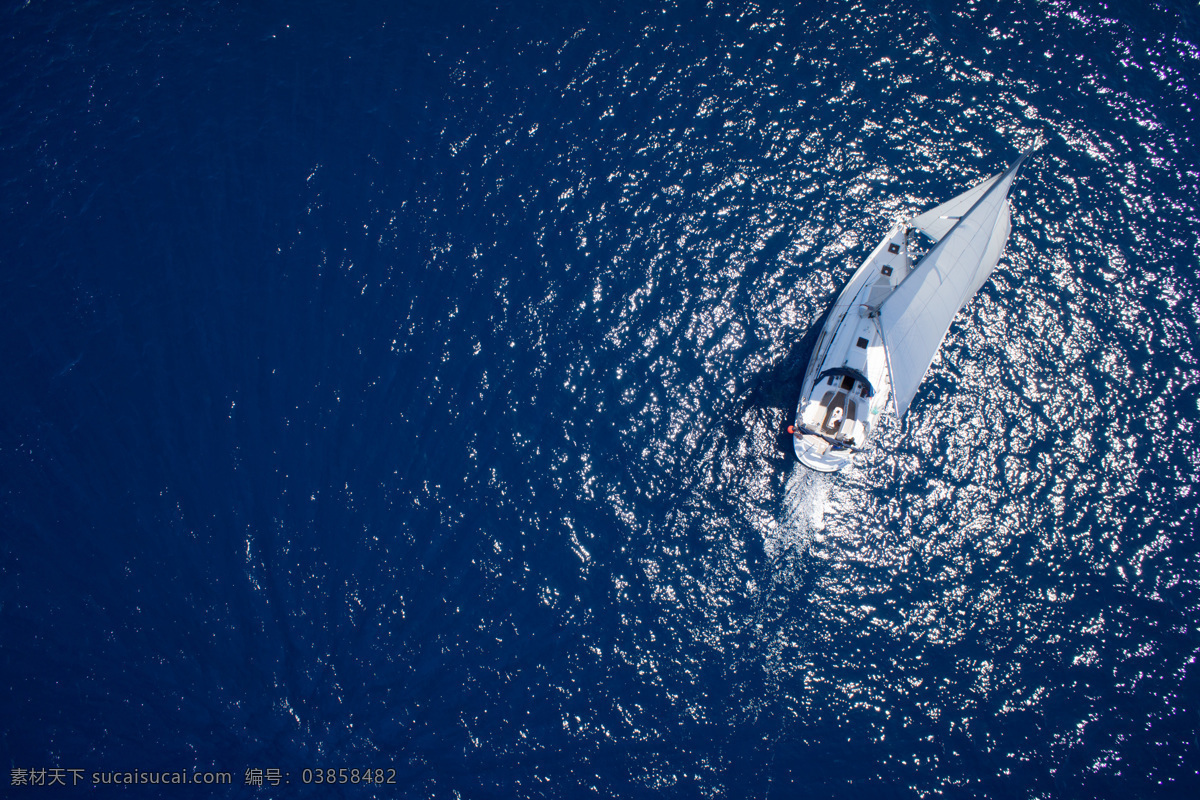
[805, 498]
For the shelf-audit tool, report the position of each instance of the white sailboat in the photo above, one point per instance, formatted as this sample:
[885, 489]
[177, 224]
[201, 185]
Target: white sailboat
[889, 321]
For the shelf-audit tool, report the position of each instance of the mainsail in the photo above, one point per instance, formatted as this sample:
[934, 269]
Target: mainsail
[971, 231]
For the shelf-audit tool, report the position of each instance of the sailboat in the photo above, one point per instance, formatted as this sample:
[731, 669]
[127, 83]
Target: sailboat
[889, 321]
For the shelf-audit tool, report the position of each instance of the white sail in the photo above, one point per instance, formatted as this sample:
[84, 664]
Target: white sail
[916, 316]
[937, 222]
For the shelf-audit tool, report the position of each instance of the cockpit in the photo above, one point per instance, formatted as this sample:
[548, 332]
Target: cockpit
[838, 414]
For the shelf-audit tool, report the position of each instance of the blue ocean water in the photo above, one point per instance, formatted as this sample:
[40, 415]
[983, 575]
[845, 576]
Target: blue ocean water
[400, 386]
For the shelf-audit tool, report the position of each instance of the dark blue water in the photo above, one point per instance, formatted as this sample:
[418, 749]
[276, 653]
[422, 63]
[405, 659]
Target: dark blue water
[400, 386]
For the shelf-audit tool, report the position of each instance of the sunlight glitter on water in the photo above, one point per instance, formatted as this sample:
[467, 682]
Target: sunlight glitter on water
[701, 200]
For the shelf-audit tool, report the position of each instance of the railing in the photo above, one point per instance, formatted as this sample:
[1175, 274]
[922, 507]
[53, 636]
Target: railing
[834, 443]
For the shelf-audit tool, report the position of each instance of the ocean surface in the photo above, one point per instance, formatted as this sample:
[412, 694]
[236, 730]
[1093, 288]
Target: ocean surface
[399, 387]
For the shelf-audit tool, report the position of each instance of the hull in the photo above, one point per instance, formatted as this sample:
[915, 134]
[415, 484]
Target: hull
[846, 384]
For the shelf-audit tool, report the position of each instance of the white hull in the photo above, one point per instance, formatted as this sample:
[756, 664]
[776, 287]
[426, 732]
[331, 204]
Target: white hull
[838, 410]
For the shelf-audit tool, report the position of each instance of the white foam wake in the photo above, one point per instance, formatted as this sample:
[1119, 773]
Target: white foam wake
[803, 515]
